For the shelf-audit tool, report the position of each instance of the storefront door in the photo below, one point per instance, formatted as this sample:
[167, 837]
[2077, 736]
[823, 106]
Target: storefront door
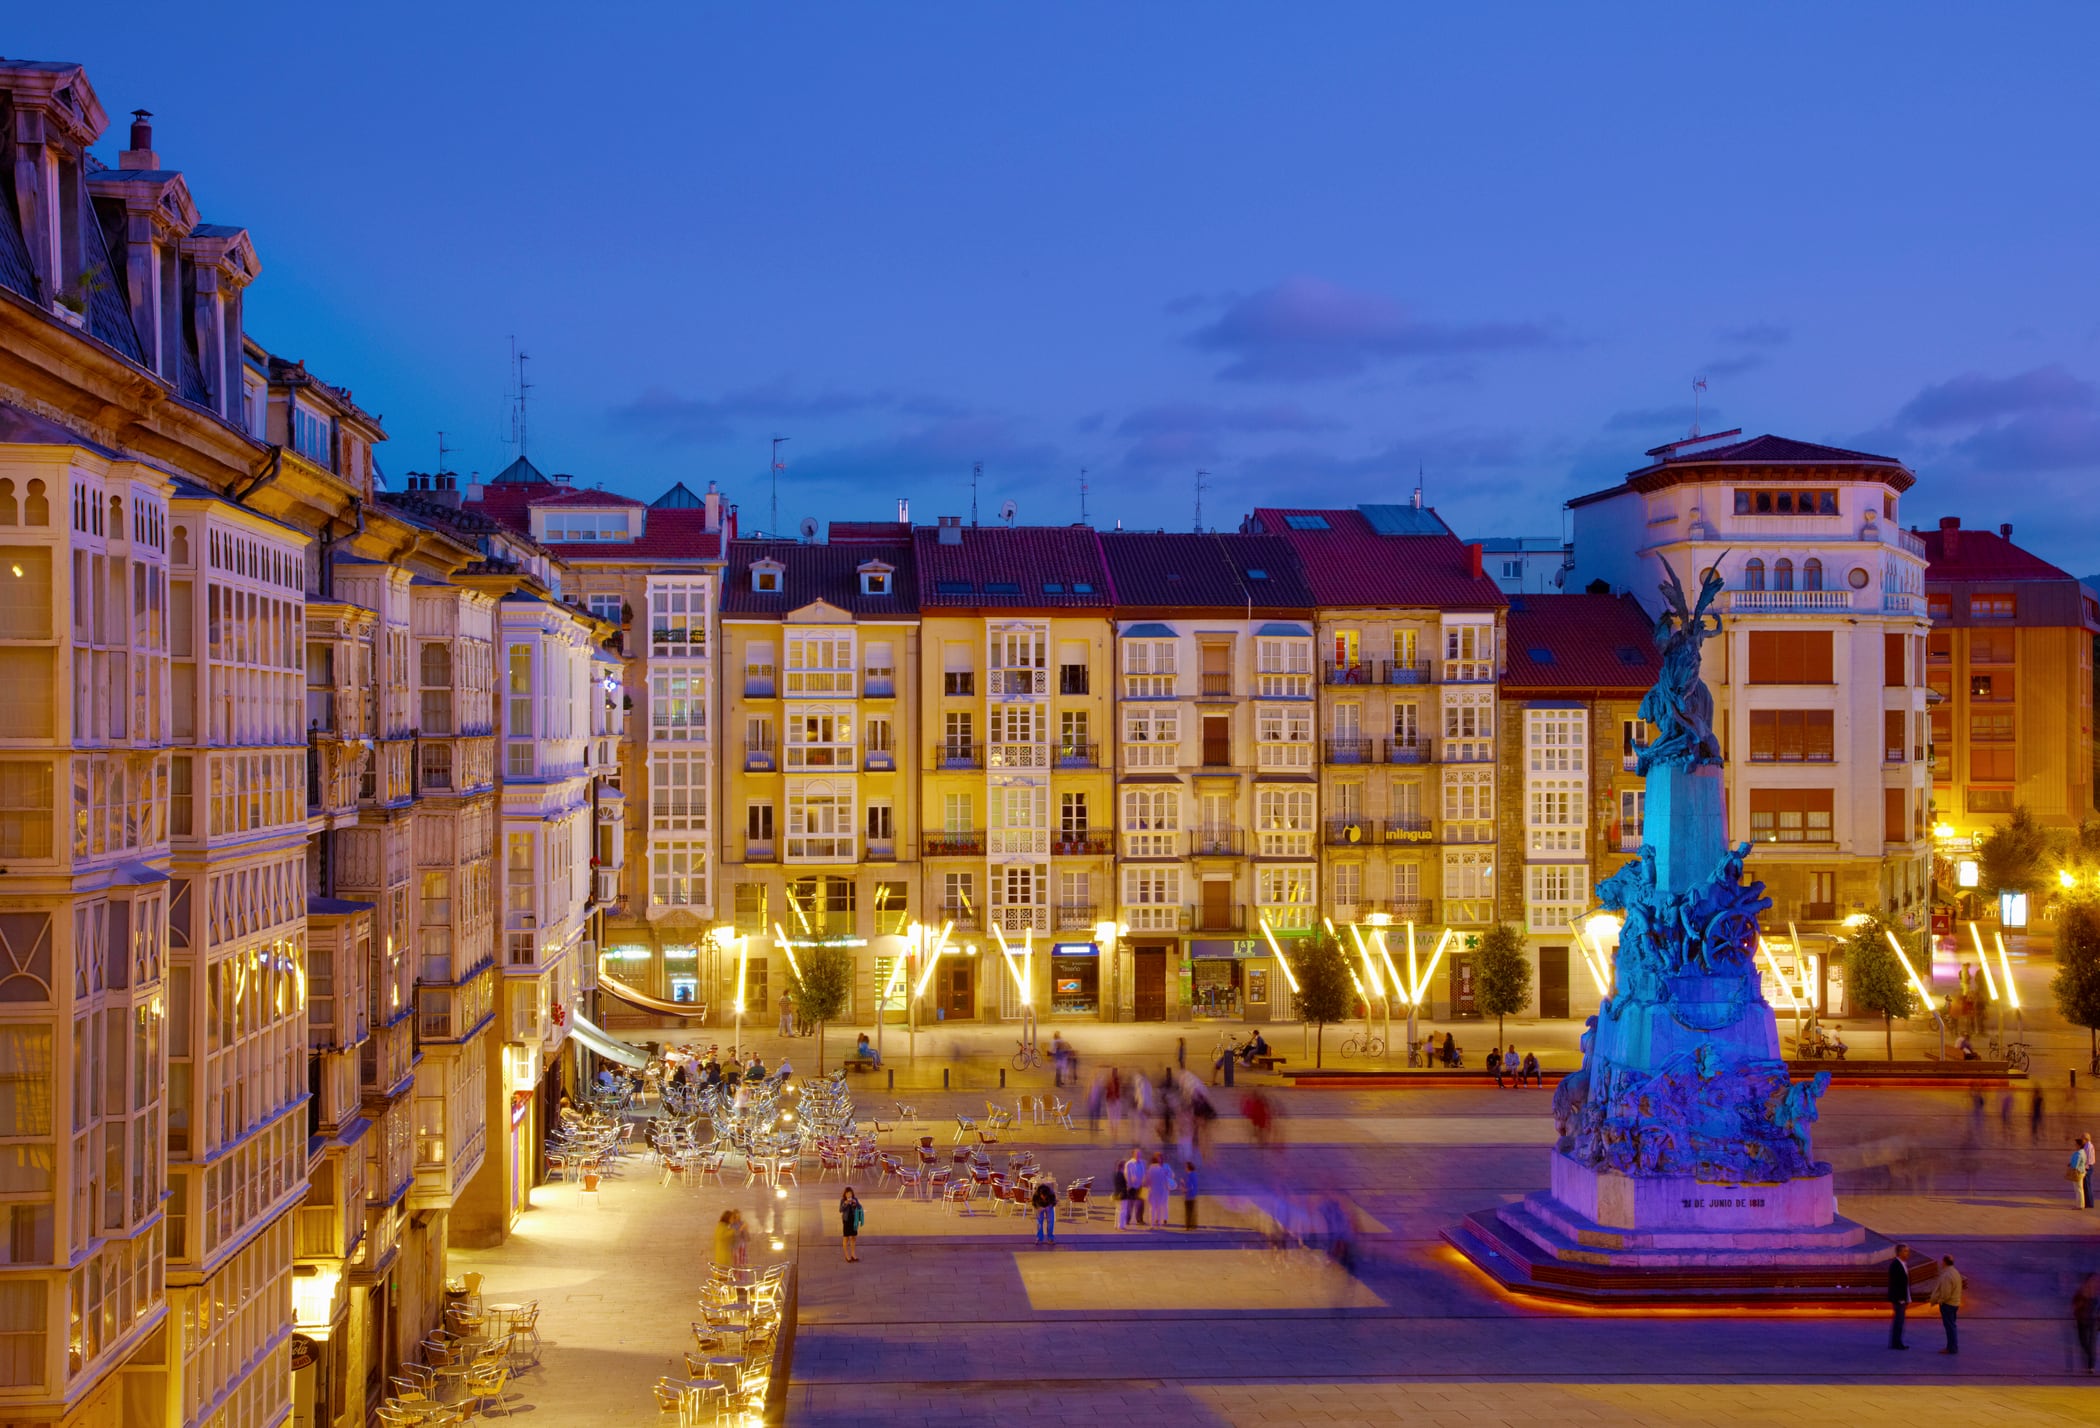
[958, 989]
[1553, 982]
[1149, 964]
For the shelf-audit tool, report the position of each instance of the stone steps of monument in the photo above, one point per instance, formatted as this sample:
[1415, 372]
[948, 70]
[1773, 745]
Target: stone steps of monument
[1567, 1237]
[1519, 1262]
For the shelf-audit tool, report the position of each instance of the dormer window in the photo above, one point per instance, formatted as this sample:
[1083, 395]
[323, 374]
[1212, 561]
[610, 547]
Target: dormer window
[767, 576]
[875, 578]
[580, 527]
[310, 435]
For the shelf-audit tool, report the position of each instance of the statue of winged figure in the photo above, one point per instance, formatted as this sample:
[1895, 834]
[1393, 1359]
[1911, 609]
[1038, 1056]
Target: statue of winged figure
[1680, 706]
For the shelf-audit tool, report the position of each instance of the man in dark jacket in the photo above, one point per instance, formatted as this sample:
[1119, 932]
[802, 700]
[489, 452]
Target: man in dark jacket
[1899, 1296]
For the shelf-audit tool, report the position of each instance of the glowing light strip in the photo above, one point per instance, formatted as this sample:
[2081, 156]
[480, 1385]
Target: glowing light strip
[1430, 971]
[1901, 956]
[1777, 975]
[1806, 961]
[788, 947]
[1020, 982]
[1277, 948]
[1413, 967]
[933, 960]
[1027, 964]
[1363, 950]
[800, 915]
[1983, 960]
[1378, 940]
[897, 963]
[1589, 959]
[2012, 993]
[743, 959]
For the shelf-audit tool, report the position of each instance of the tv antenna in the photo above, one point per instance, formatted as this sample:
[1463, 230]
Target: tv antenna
[442, 449]
[1698, 391]
[1082, 495]
[1201, 477]
[773, 522]
[1007, 511]
[976, 472]
[518, 420]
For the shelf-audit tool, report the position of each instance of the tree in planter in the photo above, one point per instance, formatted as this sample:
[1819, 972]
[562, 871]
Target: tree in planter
[1876, 982]
[2013, 856]
[1325, 992]
[2077, 980]
[1505, 976]
[822, 990]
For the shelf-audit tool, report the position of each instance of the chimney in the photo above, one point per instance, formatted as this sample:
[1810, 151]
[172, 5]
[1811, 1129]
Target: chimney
[1474, 567]
[903, 511]
[713, 502]
[951, 530]
[444, 488]
[474, 486]
[2005, 531]
[140, 155]
[1950, 535]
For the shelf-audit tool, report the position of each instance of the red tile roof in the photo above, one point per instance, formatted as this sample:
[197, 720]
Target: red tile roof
[1012, 567]
[1161, 571]
[1569, 645]
[830, 573]
[859, 532]
[671, 533]
[1349, 564]
[1982, 555]
[583, 496]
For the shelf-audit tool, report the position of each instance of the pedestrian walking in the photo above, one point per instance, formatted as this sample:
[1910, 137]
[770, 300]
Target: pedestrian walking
[1495, 1065]
[1044, 1201]
[725, 1240]
[1946, 1292]
[787, 1014]
[851, 1218]
[1159, 1186]
[2092, 1160]
[2085, 1315]
[1131, 1174]
[1188, 1195]
[2034, 1117]
[1531, 1069]
[2077, 1172]
[1899, 1295]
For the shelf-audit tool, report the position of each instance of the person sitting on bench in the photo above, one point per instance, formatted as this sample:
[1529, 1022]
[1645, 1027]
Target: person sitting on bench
[862, 1051]
[1254, 1050]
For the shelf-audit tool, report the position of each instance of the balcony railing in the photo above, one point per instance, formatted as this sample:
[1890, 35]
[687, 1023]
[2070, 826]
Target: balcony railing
[1218, 919]
[1789, 601]
[882, 850]
[758, 685]
[1217, 685]
[1212, 842]
[1352, 750]
[956, 756]
[1084, 843]
[1349, 832]
[1409, 751]
[1465, 751]
[1906, 541]
[1897, 603]
[879, 761]
[1469, 671]
[1409, 828]
[952, 844]
[1074, 917]
[1014, 683]
[761, 850]
[1019, 756]
[964, 916]
[879, 686]
[1076, 756]
[1014, 917]
[1418, 910]
[760, 760]
[607, 889]
[1152, 843]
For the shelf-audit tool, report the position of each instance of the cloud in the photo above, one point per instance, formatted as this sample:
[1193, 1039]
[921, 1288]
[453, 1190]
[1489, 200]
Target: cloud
[1736, 365]
[677, 420]
[937, 450]
[1204, 417]
[1654, 419]
[1306, 329]
[1972, 398]
[1757, 334]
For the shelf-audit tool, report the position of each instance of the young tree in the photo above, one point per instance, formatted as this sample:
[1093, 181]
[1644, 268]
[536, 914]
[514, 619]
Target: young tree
[1875, 980]
[1505, 976]
[1324, 990]
[2077, 981]
[822, 990]
[2013, 856]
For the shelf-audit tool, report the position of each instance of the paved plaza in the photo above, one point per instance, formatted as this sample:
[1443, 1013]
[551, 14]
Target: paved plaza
[960, 1319]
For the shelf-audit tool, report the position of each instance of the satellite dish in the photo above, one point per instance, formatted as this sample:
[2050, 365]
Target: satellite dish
[1008, 511]
[809, 527]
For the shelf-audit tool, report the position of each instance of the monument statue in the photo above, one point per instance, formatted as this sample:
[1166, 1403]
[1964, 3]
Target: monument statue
[1683, 1140]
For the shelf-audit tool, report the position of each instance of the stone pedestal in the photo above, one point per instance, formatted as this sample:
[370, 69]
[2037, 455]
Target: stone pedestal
[1685, 824]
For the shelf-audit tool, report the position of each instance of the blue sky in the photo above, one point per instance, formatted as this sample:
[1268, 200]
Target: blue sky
[1310, 249]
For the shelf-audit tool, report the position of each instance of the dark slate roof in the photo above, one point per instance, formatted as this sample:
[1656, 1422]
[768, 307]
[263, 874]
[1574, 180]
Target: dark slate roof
[1982, 555]
[1405, 520]
[1578, 644]
[318, 906]
[519, 472]
[1169, 571]
[679, 498]
[810, 573]
[1013, 567]
[1347, 563]
[1681, 461]
[859, 532]
[583, 496]
[26, 428]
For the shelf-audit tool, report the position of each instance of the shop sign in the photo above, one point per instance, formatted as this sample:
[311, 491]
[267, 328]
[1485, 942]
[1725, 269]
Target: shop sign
[1409, 835]
[1240, 949]
[520, 1103]
[1075, 949]
[1943, 922]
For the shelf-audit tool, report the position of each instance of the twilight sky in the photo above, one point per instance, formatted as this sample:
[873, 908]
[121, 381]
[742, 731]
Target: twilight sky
[1309, 249]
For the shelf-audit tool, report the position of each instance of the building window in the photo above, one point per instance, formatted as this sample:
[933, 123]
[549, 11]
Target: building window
[758, 823]
[959, 736]
[820, 738]
[678, 620]
[1283, 668]
[766, 576]
[874, 580]
[1148, 669]
[1556, 739]
[1993, 607]
[1512, 569]
[610, 608]
[958, 813]
[959, 894]
[879, 735]
[819, 819]
[1554, 815]
[1633, 818]
[1990, 800]
[1790, 657]
[1071, 679]
[677, 706]
[1754, 574]
[1151, 819]
[1786, 501]
[1812, 574]
[678, 791]
[1790, 815]
[819, 664]
[584, 527]
[758, 669]
[1283, 821]
[678, 874]
[1284, 887]
[881, 668]
[882, 823]
[1791, 736]
[751, 908]
[1151, 737]
[1991, 763]
[1556, 895]
[310, 435]
[1783, 575]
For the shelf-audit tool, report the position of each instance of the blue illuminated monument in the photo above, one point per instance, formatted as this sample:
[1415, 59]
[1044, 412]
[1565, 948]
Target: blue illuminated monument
[1683, 1148]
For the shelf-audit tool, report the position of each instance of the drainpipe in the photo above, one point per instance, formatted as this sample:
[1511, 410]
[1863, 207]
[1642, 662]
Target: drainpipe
[269, 473]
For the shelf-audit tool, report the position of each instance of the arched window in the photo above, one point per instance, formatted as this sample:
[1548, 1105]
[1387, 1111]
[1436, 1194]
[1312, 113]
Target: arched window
[1754, 575]
[1783, 575]
[1812, 575]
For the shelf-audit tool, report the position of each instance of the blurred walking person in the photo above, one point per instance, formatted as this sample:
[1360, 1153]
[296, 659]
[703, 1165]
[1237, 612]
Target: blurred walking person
[1132, 1173]
[1159, 1187]
[2085, 1315]
[2079, 1173]
[1946, 1293]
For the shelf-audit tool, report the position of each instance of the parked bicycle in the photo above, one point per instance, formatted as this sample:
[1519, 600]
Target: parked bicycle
[2014, 1055]
[1028, 1056]
[1364, 1044]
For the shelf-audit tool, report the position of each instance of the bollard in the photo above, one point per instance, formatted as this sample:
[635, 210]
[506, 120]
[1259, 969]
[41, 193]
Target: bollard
[1002, 1078]
[944, 1078]
[893, 1078]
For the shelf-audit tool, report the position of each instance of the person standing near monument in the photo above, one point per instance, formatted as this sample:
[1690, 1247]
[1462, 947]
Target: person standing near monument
[1899, 1295]
[1946, 1293]
[2077, 1172]
[2091, 1156]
